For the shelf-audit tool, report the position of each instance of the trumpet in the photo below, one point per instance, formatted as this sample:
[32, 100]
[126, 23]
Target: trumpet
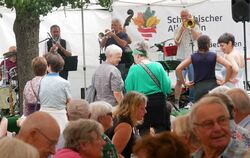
[102, 35]
[189, 23]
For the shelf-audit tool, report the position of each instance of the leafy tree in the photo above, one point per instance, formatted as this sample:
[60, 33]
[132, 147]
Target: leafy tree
[26, 29]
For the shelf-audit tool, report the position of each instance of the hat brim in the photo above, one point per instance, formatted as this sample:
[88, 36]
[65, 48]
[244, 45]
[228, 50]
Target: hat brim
[135, 52]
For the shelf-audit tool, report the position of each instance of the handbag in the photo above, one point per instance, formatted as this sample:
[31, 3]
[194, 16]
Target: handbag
[91, 92]
[33, 107]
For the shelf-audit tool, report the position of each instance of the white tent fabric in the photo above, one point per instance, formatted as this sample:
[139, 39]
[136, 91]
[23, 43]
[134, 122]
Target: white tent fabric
[96, 21]
[173, 3]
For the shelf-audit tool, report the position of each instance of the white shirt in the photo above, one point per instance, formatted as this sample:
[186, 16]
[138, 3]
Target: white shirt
[185, 47]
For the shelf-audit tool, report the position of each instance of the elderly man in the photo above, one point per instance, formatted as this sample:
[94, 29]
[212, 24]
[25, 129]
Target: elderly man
[59, 45]
[77, 109]
[213, 130]
[241, 102]
[41, 131]
[185, 38]
[83, 139]
[107, 78]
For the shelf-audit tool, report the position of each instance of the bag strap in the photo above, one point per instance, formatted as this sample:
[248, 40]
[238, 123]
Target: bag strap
[36, 95]
[150, 74]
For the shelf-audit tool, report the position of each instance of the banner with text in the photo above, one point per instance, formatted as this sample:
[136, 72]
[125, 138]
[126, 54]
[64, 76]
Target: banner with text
[157, 23]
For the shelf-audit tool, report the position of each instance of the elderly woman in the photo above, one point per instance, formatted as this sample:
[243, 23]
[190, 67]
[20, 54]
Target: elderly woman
[54, 90]
[127, 115]
[32, 87]
[204, 63]
[83, 139]
[101, 111]
[139, 80]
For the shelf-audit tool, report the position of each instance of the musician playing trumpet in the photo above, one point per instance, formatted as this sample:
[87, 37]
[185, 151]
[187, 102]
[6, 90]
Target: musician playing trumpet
[185, 37]
[118, 37]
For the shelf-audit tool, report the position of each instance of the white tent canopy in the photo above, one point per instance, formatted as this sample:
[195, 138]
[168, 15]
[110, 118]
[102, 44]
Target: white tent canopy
[174, 3]
[97, 20]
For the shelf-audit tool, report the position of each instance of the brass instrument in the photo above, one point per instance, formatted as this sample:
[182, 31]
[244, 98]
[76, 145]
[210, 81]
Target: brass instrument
[102, 35]
[189, 23]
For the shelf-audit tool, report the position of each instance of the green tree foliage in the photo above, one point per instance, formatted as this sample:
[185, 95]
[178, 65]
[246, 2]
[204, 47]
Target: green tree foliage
[26, 29]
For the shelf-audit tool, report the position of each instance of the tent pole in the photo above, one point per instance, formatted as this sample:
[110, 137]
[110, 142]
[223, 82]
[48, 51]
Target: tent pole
[83, 50]
[245, 55]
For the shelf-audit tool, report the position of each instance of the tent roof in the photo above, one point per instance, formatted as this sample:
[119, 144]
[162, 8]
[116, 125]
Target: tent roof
[174, 3]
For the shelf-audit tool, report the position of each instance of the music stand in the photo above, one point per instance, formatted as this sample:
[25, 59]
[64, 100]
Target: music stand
[70, 63]
[168, 52]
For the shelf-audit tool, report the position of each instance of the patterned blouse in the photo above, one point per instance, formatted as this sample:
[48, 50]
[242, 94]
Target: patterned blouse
[109, 150]
[29, 95]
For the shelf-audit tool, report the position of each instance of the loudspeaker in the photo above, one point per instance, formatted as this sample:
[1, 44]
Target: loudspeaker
[241, 10]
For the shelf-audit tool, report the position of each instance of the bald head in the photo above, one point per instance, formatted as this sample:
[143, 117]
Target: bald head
[41, 131]
[40, 120]
[240, 99]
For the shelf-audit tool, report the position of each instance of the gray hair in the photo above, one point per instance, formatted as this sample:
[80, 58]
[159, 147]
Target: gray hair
[113, 49]
[142, 46]
[77, 109]
[99, 108]
[219, 89]
[185, 10]
[12, 147]
[204, 101]
[81, 130]
[240, 99]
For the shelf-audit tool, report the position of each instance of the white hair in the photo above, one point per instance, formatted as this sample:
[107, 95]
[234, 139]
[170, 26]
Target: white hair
[219, 89]
[113, 49]
[99, 108]
[13, 147]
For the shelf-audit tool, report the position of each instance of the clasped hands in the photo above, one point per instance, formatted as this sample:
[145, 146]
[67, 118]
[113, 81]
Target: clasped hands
[56, 46]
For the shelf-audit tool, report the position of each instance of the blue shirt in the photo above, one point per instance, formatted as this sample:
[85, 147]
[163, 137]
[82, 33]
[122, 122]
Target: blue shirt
[121, 35]
[245, 123]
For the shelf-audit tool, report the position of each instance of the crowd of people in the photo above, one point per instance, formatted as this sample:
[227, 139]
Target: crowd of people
[129, 116]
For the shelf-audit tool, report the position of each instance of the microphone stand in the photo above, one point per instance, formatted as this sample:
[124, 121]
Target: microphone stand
[100, 53]
[44, 40]
[245, 56]
[161, 43]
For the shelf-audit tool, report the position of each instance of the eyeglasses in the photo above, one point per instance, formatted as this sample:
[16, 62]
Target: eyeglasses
[222, 121]
[51, 142]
